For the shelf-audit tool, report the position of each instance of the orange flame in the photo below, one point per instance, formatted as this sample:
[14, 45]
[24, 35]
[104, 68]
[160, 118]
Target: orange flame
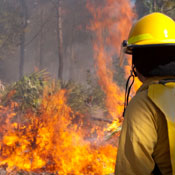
[49, 142]
[111, 25]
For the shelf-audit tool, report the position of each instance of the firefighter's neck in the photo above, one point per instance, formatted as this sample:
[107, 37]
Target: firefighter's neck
[141, 77]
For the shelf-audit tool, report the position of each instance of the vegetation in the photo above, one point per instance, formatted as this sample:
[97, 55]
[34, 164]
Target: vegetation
[28, 93]
[144, 7]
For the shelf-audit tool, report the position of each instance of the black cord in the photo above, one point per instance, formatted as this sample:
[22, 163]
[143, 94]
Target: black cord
[128, 90]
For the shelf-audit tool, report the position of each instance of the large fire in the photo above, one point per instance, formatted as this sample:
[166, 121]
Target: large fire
[111, 26]
[50, 141]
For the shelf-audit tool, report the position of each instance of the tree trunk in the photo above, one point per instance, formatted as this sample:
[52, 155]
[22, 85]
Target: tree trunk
[60, 40]
[41, 40]
[21, 63]
[24, 17]
[154, 6]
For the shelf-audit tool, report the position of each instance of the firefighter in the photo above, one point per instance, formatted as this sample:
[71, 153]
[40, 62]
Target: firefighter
[147, 140]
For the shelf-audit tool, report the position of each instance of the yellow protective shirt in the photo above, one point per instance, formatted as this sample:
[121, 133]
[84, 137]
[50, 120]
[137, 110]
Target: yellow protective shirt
[163, 95]
[144, 140]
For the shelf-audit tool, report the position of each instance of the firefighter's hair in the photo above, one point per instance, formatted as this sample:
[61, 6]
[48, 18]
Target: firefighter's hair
[155, 61]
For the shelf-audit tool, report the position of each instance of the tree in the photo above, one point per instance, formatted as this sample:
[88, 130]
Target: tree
[24, 17]
[41, 37]
[144, 7]
[60, 39]
[75, 32]
[169, 8]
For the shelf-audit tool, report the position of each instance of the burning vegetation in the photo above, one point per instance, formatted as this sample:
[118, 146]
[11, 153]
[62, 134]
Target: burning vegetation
[48, 127]
[50, 137]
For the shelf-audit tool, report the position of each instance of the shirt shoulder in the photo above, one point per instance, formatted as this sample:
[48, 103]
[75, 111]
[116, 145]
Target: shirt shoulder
[142, 109]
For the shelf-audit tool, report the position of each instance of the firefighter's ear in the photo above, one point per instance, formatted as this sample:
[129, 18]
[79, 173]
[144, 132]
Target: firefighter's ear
[134, 71]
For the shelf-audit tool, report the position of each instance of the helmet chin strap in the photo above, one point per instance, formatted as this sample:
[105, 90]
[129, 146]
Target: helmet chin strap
[128, 87]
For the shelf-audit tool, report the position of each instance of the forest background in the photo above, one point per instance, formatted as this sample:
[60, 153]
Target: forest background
[37, 35]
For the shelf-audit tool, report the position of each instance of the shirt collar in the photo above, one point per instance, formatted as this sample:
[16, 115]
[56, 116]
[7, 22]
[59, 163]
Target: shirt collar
[152, 80]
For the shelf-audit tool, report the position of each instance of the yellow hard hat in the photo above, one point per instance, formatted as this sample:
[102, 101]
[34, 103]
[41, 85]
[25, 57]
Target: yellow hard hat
[155, 29]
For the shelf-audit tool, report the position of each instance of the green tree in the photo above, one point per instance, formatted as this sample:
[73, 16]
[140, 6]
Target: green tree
[144, 7]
